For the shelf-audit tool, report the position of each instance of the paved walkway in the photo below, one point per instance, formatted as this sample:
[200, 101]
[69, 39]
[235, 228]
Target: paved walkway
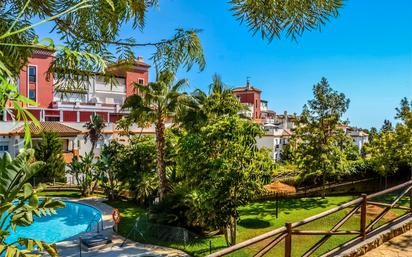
[400, 246]
[70, 247]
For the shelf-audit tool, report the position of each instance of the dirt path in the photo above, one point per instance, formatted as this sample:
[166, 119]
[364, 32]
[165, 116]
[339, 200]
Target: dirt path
[400, 246]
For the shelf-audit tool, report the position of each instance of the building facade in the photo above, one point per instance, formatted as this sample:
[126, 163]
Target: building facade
[77, 104]
[63, 109]
[275, 139]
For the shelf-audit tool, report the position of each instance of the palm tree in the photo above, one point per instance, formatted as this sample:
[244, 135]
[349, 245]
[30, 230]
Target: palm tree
[202, 106]
[157, 102]
[94, 130]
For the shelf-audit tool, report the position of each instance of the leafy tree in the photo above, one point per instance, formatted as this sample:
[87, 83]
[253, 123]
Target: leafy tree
[387, 126]
[391, 148]
[157, 102]
[50, 151]
[146, 188]
[218, 166]
[136, 167]
[97, 29]
[383, 152]
[347, 147]
[287, 154]
[318, 140]
[108, 166]
[86, 173]
[94, 131]
[372, 133]
[19, 203]
[403, 132]
[201, 107]
[222, 169]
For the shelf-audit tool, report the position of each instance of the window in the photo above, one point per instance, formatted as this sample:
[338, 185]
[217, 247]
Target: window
[52, 118]
[4, 148]
[140, 81]
[32, 74]
[32, 94]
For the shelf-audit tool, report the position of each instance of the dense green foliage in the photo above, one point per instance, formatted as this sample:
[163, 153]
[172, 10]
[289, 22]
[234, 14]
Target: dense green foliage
[154, 104]
[129, 170]
[387, 153]
[138, 168]
[50, 151]
[85, 172]
[108, 169]
[19, 204]
[221, 169]
[390, 150]
[320, 146]
[218, 165]
[201, 107]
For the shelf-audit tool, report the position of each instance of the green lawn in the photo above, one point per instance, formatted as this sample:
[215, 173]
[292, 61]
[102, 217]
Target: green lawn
[258, 218]
[65, 193]
[73, 194]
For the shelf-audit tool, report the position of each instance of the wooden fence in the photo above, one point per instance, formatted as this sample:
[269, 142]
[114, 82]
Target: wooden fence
[285, 233]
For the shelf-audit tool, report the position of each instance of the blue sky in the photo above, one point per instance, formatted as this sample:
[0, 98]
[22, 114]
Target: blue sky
[366, 53]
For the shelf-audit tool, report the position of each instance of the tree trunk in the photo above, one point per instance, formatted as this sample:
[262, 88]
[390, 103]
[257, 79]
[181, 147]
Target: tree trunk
[94, 187]
[323, 185]
[160, 154]
[233, 234]
[225, 232]
[92, 149]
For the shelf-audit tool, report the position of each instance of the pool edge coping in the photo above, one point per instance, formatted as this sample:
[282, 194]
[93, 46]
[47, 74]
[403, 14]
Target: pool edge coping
[108, 223]
[93, 202]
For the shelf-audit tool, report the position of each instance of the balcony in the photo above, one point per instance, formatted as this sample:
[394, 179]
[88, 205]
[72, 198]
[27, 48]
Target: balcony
[88, 106]
[268, 121]
[117, 87]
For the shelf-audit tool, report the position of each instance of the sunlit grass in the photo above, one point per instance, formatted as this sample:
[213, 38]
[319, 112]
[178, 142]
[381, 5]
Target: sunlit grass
[255, 219]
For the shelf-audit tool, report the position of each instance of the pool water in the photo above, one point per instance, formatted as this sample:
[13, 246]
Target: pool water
[69, 221]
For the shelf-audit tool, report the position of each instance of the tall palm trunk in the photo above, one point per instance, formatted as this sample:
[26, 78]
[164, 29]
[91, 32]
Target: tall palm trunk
[160, 154]
[92, 148]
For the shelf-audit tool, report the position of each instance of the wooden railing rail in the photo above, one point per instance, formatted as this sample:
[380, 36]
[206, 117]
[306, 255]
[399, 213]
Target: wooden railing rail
[285, 233]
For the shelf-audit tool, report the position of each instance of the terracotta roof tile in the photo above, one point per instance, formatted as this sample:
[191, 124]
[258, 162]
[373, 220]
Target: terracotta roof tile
[49, 126]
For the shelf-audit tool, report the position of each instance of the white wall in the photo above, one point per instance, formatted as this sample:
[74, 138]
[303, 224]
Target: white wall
[267, 142]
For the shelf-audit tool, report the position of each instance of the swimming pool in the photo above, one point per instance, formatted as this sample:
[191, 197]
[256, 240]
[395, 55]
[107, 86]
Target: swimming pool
[69, 221]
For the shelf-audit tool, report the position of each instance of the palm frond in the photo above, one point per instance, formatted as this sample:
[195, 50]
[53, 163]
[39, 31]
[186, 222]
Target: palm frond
[290, 18]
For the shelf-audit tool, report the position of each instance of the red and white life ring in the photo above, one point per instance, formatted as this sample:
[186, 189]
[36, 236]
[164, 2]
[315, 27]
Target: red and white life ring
[116, 216]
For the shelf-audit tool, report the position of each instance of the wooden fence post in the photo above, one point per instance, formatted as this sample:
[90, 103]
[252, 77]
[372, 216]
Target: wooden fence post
[288, 240]
[410, 200]
[363, 216]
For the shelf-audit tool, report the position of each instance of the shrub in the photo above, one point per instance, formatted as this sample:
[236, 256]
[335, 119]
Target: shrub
[50, 151]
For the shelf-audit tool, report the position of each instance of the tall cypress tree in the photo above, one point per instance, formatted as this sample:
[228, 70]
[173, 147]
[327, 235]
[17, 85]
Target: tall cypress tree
[50, 151]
